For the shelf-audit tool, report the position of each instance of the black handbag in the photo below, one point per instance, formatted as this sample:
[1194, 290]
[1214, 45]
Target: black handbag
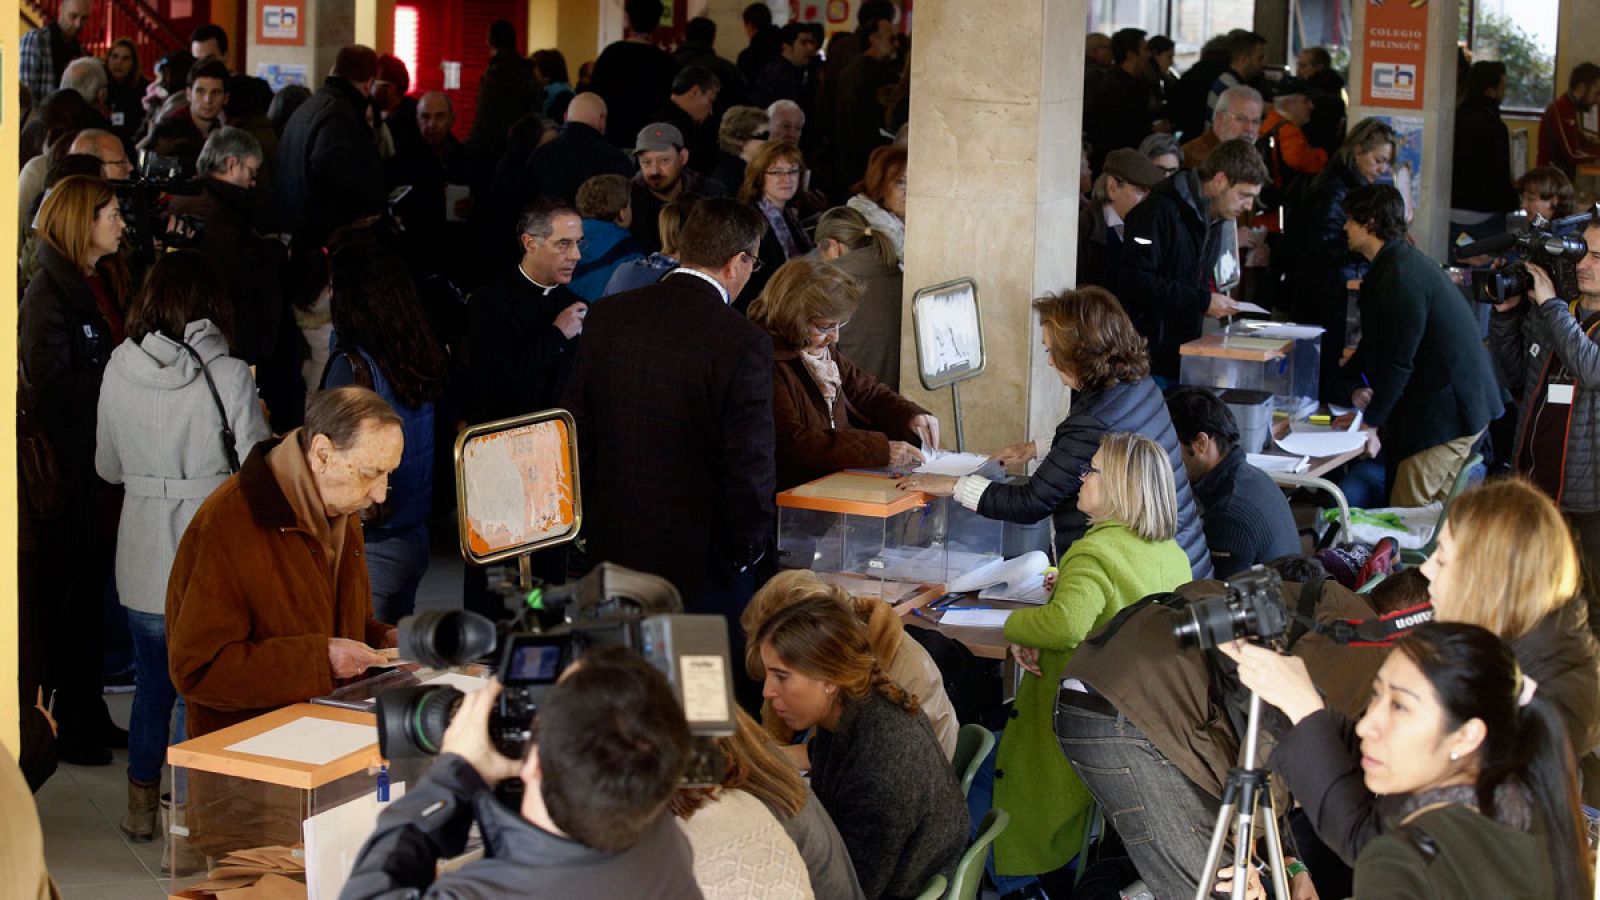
[230, 449]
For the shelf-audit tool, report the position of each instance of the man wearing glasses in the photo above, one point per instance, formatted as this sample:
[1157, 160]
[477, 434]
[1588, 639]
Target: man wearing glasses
[1238, 115]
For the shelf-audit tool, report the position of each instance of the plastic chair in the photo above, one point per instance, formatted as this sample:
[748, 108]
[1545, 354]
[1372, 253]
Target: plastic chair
[969, 871]
[1464, 479]
[973, 743]
[934, 890]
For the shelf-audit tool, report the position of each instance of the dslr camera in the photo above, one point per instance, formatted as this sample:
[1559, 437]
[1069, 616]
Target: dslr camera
[610, 606]
[144, 201]
[1252, 609]
[1556, 247]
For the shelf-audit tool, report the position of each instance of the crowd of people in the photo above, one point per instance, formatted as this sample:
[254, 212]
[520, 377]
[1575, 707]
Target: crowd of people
[243, 363]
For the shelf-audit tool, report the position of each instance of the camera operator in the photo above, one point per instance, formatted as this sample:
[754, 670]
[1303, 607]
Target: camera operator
[1504, 562]
[610, 741]
[1547, 350]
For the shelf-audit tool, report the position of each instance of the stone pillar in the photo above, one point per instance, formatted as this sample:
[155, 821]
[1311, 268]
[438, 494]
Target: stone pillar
[1576, 25]
[1431, 225]
[10, 127]
[571, 26]
[375, 24]
[328, 25]
[996, 110]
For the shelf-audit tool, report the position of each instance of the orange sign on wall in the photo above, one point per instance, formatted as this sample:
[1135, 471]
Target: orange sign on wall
[281, 22]
[1395, 49]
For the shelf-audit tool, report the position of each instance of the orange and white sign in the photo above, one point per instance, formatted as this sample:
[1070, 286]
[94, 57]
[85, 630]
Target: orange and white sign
[1394, 53]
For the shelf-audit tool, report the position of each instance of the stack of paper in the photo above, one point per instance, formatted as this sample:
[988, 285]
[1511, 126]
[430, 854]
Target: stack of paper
[1272, 462]
[309, 740]
[975, 618]
[263, 873]
[1016, 575]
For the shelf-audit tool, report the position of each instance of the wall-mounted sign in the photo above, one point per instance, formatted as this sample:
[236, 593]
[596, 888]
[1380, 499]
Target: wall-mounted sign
[282, 23]
[1395, 49]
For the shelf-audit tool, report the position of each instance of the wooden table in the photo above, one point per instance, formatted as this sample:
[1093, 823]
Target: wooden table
[984, 642]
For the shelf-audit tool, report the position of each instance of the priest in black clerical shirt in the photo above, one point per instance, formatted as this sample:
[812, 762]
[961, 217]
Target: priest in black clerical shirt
[524, 326]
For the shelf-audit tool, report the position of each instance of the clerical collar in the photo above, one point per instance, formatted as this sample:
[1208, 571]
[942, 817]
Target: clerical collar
[721, 291]
[546, 289]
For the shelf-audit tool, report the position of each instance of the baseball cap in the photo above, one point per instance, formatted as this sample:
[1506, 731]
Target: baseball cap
[1133, 167]
[658, 136]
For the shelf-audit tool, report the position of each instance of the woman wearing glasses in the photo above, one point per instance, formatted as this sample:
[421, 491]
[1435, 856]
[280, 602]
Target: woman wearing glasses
[830, 415]
[771, 182]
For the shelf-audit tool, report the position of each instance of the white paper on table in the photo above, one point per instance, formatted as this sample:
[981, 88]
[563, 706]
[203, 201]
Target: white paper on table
[981, 618]
[1284, 330]
[1247, 306]
[454, 193]
[1011, 572]
[466, 684]
[949, 462]
[1031, 591]
[1322, 443]
[333, 841]
[1271, 462]
[309, 740]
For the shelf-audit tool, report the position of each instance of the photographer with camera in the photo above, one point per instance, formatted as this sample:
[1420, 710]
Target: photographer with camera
[610, 742]
[1549, 352]
[1504, 562]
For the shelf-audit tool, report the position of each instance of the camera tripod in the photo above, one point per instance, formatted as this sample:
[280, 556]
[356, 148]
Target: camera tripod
[1245, 796]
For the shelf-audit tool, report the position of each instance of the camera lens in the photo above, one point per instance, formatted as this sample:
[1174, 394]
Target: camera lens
[1187, 632]
[412, 721]
[440, 638]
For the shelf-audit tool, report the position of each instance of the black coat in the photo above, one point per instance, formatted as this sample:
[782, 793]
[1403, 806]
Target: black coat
[1187, 108]
[63, 345]
[508, 91]
[557, 169]
[433, 243]
[329, 174]
[1320, 763]
[1053, 489]
[518, 361]
[772, 256]
[1326, 128]
[1431, 377]
[1099, 248]
[1118, 115]
[1247, 518]
[1170, 243]
[634, 79]
[250, 265]
[672, 393]
[1480, 179]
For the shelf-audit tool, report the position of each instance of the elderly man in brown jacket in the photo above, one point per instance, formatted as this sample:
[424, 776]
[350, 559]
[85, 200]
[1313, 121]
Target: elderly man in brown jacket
[269, 603]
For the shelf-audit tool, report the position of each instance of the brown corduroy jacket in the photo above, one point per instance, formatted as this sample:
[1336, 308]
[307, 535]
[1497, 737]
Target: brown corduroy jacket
[251, 603]
[866, 417]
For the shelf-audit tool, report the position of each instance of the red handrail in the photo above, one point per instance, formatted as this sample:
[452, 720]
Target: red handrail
[151, 33]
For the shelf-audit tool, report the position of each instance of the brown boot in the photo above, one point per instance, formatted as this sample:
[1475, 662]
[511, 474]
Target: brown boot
[143, 801]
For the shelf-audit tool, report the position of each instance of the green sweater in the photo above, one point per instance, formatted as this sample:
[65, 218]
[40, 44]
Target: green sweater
[1109, 568]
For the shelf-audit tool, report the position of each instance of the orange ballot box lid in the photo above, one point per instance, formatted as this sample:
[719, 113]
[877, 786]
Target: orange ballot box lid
[1227, 346]
[303, 746]
[854, 493]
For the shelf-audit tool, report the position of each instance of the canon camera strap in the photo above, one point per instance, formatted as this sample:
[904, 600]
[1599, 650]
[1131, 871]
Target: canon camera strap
[1380, 632]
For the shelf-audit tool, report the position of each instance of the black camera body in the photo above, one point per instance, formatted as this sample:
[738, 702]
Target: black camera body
[1251, 609]
[1557, 247]
[144, 201]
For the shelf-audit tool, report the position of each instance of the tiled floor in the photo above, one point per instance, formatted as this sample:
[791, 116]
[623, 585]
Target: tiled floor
[80, 806]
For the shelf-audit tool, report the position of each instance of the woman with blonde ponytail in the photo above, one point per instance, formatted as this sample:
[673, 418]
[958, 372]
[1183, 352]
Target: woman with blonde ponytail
[875, 763]
[867, 252]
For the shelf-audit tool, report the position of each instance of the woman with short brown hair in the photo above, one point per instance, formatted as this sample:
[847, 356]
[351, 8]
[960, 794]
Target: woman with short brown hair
[829, 414]
[1096, 352]
[772, 180]
[881, 195]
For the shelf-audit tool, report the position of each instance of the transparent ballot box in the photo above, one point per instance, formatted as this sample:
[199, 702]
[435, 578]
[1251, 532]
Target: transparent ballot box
[1305, 353]
[1232, 361]
[863, 526]
[254, 784]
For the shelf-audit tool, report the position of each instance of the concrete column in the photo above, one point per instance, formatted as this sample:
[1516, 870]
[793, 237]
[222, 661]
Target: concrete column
[1578, 20]
[328, 25]
[571, 26]
[375, 24]
[10, 126]
[996, 110]
[1431, 225]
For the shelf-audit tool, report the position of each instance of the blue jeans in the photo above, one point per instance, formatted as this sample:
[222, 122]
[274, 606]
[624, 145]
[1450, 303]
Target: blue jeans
[396, 561]
[1165, 820]
[980, 799]
[150, 723]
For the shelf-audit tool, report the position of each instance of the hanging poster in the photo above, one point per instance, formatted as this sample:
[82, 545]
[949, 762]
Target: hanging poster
[1394, 52]
[282, 23]
[1406, 167]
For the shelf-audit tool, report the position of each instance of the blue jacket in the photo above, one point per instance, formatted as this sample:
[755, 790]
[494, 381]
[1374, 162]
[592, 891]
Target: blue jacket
[1053, 490]
[411, 485]
[610, 245]
[639, 273]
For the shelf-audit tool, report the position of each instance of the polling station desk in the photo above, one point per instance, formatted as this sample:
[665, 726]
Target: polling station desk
[987, 642]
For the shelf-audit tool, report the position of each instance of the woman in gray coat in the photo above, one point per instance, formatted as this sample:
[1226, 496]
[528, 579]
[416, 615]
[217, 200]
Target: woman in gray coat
[169, 438]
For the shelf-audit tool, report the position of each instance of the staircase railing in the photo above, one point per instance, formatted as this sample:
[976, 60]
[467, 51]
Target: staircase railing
[109, 21]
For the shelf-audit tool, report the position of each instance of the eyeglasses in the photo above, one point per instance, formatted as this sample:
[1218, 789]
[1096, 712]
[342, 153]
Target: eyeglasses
[759, 136]
[755, 262]
[1245, 120]
[783, 173]
[1087, 469]
[1170, 170]
[567, 245]
[835, 328]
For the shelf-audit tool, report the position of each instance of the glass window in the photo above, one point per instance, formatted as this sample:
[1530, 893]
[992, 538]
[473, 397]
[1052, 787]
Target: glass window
[1108, 16]
[1196, 21]
[1321, 23]
[1521, 34]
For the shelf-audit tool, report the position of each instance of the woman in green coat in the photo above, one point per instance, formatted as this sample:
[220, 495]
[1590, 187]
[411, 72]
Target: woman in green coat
[1128, 553]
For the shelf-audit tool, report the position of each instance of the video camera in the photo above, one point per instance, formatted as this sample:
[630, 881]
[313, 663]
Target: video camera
[144, 200]
[1556, 247]
[611, 606]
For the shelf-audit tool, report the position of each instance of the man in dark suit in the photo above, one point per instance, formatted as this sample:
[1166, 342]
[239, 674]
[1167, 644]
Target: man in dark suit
[672, 394]
[1421, 371]
[329, 172]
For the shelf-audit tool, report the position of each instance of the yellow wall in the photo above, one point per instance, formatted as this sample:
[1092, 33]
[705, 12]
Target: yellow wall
[10, 715]
[571, 26]
[374, 24]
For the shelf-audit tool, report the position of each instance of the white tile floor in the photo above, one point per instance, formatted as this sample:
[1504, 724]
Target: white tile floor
[80, 806]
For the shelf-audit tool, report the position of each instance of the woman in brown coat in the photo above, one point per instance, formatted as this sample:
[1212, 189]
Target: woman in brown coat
[829, 414]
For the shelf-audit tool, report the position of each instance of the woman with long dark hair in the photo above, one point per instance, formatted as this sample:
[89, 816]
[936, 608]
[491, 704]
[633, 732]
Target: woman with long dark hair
[1482, 762]
[382, 341]
[176, 415]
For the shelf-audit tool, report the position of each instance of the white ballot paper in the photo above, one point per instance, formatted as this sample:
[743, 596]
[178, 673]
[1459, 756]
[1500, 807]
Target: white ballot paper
[309, 740]
[981, 618]
[1014, 573]
[947, 462]
[466, 684]
[1247, 306]
[1322, 443]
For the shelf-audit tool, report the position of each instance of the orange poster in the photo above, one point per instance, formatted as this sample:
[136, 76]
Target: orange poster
[1394, 53]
